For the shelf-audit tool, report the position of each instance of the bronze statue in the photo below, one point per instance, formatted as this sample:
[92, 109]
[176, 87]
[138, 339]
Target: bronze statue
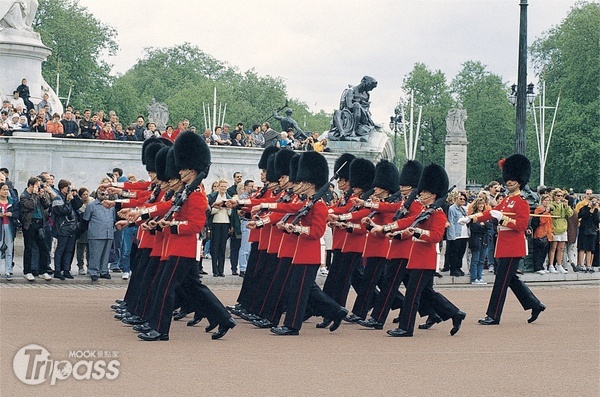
[288, 122]
[353, 122]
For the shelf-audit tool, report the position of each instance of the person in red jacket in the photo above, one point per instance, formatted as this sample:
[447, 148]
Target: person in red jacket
[512, 215]
[426, 231]
[185, 220]
[313, 172]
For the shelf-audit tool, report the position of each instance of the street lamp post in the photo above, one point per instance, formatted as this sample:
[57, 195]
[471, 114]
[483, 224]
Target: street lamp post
[520, 136]
[395, 124]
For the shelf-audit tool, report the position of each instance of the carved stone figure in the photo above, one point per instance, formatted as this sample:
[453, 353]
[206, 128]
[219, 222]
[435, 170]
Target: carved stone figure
[353, 122]
[158, 113]
[455, 121]
[289, 122]
[17, 14]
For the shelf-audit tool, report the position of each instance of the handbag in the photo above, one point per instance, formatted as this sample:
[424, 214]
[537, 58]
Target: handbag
[68, 226]
[541, 240]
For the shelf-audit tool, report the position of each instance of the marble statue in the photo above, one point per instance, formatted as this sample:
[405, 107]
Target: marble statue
[17, 14]
[353, 122]
[158, 113]
[455, 121]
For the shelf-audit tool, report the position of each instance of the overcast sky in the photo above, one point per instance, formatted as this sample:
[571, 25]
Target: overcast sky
[320, 46]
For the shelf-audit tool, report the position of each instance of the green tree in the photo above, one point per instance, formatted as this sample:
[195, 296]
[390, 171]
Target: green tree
[490, 126]
[77, 40]
[567, 57]
[432, 92]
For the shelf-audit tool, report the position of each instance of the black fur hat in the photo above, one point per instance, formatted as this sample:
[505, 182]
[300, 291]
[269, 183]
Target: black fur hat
[313, 168]
[294, 168]
[150, 152]
[271, 174]
[362, 172]
[343, 172]
[282, 162]
[386, 176]
[516, 168]
[161, 164]
[162, 141]
[434, 179]
[411, 173]
[269, 150]
[191, 152]
[171, 171]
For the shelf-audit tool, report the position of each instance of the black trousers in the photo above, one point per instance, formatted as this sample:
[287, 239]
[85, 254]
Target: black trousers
[234, 252]
[261, 263]
[420, 284]
[135, 281]
[540, 250]
[65, 251]
[245, 295]
[506, 276]
[218, 242]
[31, 240]
[264, 281]
[344, 275]
[304, 291]
[273, 305]
[177, 272]
[148, 281]
[374, 268]
[455, 250]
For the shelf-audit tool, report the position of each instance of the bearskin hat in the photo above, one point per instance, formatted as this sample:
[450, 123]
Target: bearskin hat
[162, 141]
[411, 173]
[313, 168]
[386, 176]
[294, 168]
[150, 155]
[171, 171]
[516, 168]
[361, 175]
[343, 172]
[271, 174]
[269, 150]
[434, 179]
[282, 162]
[161, 164]
[191, 152]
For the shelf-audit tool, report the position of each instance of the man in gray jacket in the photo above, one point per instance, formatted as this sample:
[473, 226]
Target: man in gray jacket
[101, 222]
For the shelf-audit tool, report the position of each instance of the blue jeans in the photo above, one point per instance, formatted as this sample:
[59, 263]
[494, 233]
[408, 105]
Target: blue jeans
[477, 259]
[8, 239]
[244, 248]
[127, 237]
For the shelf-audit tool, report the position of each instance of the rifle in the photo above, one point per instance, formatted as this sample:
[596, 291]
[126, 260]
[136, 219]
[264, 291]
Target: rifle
[403, 211]
[283, 199]
[185, 192]
[315, 197]
[389, 199]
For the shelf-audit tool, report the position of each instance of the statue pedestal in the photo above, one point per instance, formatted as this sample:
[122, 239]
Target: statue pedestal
[378, 146]
[21, 56]
[456, 160]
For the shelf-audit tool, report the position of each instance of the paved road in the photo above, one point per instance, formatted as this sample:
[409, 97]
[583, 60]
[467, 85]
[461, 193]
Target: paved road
[556, 356]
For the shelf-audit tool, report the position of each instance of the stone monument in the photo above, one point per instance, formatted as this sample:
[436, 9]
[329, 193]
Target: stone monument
[456, 147]
[352, 121]
[158, 113]
[22, 52]
[288, 122]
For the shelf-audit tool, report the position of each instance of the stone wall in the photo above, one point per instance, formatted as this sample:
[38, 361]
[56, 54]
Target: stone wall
[85, 162]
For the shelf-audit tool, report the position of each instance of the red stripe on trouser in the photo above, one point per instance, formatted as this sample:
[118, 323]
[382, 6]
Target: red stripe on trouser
[387, 297]
[149, 290]
[412, 306]
[162, 307]
[299, 295]
[370, 284]
[504, 289]
[282, 290]
[269, 290]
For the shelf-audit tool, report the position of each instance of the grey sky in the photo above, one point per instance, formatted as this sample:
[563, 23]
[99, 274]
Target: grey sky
[321, 46]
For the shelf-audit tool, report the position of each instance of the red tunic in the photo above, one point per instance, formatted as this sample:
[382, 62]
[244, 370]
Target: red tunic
[139, 185]
[192, 217]
[511, 241]
[308, 249]
[423, 254]
[355, 241]
[339, 235]
[400, 249]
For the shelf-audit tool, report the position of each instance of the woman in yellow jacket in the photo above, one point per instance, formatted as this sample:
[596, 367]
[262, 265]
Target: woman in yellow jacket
[559, 208]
